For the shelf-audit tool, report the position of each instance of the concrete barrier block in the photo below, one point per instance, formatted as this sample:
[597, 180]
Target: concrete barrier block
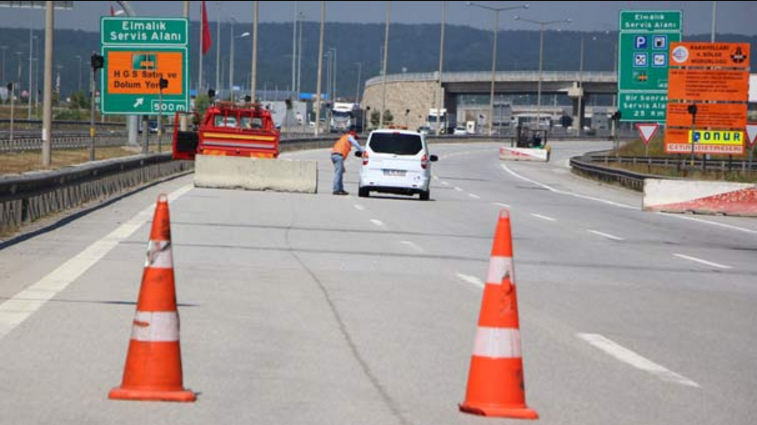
[700, 197]
[235, 172]
[523, 154]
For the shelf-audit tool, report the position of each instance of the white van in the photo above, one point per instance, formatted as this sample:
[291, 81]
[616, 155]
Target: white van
[396, 161]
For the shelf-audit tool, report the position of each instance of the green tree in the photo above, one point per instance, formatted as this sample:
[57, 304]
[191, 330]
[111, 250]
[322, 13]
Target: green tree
[388, 117]
[79, 100]
[375, 118]
[202, 101]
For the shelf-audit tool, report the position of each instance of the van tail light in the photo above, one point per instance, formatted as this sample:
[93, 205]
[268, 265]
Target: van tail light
[365, 157]
[424, 162]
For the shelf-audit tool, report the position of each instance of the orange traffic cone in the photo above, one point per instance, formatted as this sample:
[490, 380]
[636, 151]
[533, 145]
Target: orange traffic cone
[153, 364]
[495, 381]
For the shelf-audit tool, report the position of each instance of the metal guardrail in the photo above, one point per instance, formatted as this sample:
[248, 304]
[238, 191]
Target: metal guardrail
[28, 197]
[597, 166]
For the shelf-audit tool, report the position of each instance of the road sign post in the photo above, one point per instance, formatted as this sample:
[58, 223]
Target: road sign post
[138, 53]
[644, 41]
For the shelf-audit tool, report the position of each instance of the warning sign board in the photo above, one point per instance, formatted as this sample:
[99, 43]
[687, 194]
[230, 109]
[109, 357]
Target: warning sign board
[708, 88]
[751, 132]
[729, 55]
[705, 84]
[647, 131]
[722, 142]
[727, 115]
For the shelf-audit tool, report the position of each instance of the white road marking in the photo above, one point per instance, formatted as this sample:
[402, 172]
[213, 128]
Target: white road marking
[544, 217]
[606, 235]
[500, 204]
[629, 357]
[445, 183]
[471, 279]
[591, 198]
[705, 262]
[474, 196]
[377, 222]
[412, 245]
[458, 189]
[712, 223]
[359, 207]
[16, 310]
[562, 192]
[436, 177]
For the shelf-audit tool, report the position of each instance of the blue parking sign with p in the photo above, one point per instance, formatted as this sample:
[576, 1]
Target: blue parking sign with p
[640, 42]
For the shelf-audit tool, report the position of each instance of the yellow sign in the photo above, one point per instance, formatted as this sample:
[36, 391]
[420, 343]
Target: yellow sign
[717, 137]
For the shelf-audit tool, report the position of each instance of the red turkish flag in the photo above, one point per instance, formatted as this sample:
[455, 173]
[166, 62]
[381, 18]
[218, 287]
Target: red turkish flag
[206, 40]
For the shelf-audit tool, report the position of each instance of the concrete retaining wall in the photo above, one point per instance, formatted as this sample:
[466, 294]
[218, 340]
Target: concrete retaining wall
[234, 172]
[700, 197]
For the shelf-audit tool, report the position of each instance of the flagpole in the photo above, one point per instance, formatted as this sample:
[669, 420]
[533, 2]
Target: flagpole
[202, 47]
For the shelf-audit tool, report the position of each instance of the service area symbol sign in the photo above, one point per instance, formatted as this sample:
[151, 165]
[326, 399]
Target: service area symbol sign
[139, 52]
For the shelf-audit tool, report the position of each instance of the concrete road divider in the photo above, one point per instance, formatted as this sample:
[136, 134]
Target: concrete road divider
[523, 154]
[700, 197]
[234, 172]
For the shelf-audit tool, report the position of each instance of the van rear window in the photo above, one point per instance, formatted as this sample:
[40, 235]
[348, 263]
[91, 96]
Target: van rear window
[397, 144]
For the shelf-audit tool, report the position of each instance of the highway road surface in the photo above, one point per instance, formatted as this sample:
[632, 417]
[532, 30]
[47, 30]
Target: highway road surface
[321, 309]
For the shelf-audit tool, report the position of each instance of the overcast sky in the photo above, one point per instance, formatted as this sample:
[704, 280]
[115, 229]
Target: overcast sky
[732, 16]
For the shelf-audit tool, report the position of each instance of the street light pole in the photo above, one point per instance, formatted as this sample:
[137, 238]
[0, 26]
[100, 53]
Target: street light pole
[383, 72]
[581, 89]
[218, 47]
[299, 55]
[254, 78]
[541, 24]
[79, 85]
[231, 63]
[714, 20]
[31, 66]
[357, 92]
[47, 108]
[3, 48]
[294, 48]
[496, 11]
[440, 95]
[320, 71]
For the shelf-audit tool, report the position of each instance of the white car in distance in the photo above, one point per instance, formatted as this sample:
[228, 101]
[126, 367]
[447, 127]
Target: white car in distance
[398, 162]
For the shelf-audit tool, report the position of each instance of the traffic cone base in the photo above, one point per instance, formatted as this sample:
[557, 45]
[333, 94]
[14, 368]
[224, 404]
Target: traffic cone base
[151, 395]
[500, 412]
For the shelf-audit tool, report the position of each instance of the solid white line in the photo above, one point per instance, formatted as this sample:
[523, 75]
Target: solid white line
[377, 222]
[359, 207]
[591, 198]
[712, 223]
[698, 260]
[562, 192]
[458, 189]
[412, 245]
[16, 310]
[629, 357]
[607, 235]
[544, 217]
[500, 204]
[471, 279]
[474, 196]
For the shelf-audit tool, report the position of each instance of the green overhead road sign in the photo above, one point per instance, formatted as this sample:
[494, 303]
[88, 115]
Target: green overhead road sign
[139, 52]
[644, 41]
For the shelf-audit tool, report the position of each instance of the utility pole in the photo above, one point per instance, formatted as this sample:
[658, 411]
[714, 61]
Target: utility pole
[47, 109]
[439, 99]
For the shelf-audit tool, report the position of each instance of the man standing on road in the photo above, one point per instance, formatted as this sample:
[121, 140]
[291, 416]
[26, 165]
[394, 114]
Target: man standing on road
[339, 153]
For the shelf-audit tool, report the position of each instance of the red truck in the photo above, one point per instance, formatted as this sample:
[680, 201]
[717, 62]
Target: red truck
[229, 130]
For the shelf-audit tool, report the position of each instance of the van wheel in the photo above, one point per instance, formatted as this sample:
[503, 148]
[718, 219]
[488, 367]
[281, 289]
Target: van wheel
[362, 192]
[425, 195]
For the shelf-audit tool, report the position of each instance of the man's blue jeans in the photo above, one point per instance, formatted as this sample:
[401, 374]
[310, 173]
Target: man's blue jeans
[338, 162]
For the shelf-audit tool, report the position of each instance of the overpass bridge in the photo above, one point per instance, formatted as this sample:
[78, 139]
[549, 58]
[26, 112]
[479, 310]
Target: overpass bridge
[409, 96]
